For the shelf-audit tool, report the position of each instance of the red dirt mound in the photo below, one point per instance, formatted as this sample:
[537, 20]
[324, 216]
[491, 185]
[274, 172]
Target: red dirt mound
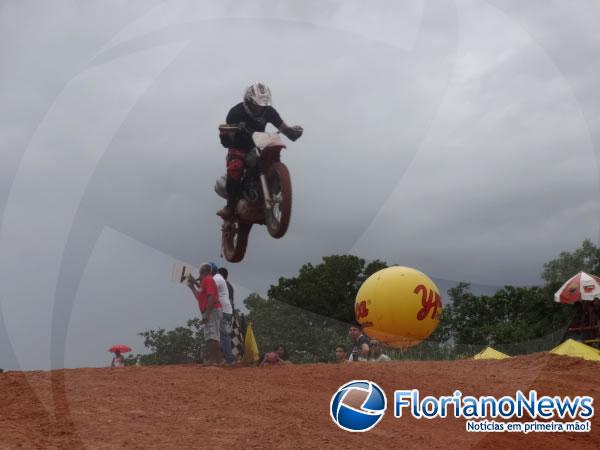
[282, 406]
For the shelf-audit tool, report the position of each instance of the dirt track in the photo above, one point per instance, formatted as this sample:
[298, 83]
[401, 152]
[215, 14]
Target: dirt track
[288, 406]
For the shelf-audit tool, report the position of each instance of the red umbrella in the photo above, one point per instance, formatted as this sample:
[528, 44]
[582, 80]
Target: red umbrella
[582, 286]
[119, 348]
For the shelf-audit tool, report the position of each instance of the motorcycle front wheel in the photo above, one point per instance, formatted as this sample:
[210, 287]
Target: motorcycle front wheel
[235, 240]
[277, 218]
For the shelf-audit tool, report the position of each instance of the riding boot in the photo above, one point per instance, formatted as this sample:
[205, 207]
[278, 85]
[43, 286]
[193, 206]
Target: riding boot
[228, 210]
[234, 189]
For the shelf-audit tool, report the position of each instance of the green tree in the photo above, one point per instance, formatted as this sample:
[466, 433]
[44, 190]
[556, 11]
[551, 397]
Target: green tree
[516, 316]
[466, 317]
[183, 345]
[329, 288]
[559, 270]
[443, 332]
[512, 317]
[308, 337]
[310, 313]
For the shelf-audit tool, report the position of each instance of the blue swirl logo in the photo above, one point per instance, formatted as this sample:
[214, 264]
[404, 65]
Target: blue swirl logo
[358, 406]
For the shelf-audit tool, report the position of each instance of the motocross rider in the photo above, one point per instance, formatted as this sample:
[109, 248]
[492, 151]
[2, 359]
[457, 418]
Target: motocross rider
[254, 113]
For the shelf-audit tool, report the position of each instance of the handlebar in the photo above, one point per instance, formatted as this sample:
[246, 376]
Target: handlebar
[234, 127]
[229, 131]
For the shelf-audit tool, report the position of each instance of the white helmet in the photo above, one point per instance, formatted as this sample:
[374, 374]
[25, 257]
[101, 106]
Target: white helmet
[256, 98]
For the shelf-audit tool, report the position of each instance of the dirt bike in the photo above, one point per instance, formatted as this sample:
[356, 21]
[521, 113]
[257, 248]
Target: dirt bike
[266, 194]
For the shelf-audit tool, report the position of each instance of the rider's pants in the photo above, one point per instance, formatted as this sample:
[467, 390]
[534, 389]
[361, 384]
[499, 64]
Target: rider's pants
[235, 169]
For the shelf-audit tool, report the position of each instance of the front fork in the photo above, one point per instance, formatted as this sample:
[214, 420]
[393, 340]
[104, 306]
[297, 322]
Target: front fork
[263, 180]
[265, 188]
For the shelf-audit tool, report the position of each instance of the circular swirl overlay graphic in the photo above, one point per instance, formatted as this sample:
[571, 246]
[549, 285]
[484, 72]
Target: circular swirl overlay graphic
[358, 406]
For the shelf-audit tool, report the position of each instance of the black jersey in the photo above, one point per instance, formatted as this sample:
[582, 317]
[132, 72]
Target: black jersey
[238, 114]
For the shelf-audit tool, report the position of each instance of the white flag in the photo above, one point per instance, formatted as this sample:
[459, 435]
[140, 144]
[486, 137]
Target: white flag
[181, 272]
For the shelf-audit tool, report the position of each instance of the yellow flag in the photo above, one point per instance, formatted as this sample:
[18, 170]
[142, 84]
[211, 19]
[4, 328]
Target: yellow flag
[250, 347]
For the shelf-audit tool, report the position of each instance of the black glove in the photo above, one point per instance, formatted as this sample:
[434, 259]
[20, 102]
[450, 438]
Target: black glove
[293, 133]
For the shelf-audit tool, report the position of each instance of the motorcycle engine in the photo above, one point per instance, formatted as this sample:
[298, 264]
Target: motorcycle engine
[251, 193]
[252, 159]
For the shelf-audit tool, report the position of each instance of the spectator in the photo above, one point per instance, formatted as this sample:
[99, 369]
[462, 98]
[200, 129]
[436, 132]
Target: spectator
[225, 274]
[226, 320]
[282, 353]
[118, 360]
[341, 354]
[588, 320]
[271, 359]
[360, 350]
[207, 295]
[375, 352]
[578, 316]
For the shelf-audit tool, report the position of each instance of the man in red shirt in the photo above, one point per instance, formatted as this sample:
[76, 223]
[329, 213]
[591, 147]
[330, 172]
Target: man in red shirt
[207, 295]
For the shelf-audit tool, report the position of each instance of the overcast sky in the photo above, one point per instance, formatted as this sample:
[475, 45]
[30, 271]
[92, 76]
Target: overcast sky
[458, 137]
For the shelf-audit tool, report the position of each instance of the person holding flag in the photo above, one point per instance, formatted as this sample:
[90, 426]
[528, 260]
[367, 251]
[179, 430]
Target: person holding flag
[207, 295]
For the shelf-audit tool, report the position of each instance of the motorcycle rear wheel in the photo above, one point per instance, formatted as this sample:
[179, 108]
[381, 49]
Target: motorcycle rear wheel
[277, 218]
[235, 240]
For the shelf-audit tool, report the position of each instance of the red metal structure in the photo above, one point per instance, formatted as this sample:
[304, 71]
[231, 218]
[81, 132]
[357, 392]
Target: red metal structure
[583, 292]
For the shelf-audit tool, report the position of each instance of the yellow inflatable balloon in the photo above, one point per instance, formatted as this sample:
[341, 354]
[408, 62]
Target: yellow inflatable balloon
[399, 306]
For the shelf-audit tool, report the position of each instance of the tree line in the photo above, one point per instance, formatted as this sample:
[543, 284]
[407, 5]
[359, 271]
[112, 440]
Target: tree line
[310, 312]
